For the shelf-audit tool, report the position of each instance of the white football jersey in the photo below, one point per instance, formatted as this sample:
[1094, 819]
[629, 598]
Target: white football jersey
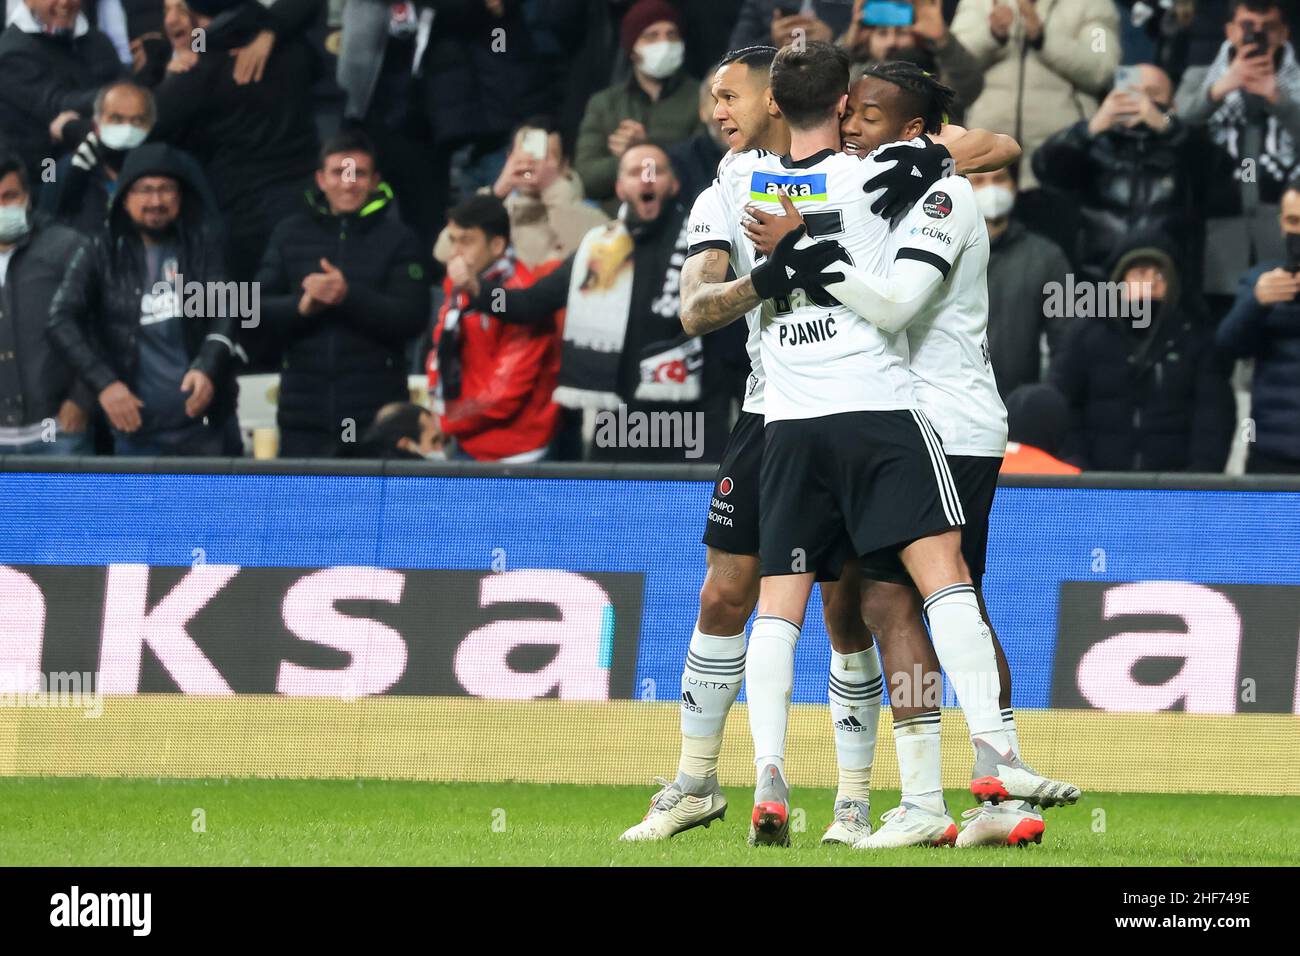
[819, 357]
[713, 226]
[948, 340]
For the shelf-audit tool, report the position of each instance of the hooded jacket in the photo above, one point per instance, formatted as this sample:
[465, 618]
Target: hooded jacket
[95, 315]
[1151, 399]
[345, 361]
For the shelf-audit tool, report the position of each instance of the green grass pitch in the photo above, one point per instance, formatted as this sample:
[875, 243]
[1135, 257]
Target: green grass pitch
[85, 822]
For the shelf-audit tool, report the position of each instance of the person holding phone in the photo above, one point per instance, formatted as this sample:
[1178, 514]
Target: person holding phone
[1045, 62]
[915, 31]
[1264, 325]
[1248, 100]
[779, 22]
[543, 195]
[1136, 165]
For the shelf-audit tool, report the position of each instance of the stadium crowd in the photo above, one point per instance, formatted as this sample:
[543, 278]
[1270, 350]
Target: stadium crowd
[347, 193]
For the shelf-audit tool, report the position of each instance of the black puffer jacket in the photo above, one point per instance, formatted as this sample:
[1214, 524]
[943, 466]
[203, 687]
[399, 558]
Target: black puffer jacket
[1153, 399]
[345, 361]
[95, 315]
[1133, 180]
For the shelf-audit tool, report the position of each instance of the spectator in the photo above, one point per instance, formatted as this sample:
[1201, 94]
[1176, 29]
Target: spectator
[1146, 393]
[543, 195]
[1249, 101]
[696, 159]
[1136, 167]
[623, 286]
[85, 180]
[779, 22]
[1022, 266]
[343, 290]
[164, 377]
[256, 140]
[1037, 422]
[1264, 325]
[52, 63]
[1044, 64]
[658, 101]
[927, 42]
[491, 382]
[401, 430]
[44, 410]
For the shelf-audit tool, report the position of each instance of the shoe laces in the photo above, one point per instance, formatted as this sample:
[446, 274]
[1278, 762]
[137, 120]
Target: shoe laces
[668, 796]
[899, 811]
[852, 811]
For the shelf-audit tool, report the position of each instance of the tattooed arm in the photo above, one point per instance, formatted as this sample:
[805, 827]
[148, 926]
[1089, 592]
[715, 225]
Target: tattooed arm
[709, 301]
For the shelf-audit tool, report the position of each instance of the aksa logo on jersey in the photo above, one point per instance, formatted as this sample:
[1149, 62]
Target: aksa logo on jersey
[807, 187]
[938, 205]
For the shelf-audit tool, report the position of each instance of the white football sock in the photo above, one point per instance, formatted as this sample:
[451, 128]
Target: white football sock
[769, 681]
[1009, 725]
[919, 766]
[715, 667]
[964, 646]
[854, 695]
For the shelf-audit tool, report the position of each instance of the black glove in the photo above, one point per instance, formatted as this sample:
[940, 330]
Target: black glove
[789, 268]
[916, 169]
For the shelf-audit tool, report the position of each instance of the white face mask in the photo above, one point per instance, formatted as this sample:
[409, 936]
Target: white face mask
[995, 202]
[121, 136]
[662, 59]
[13, 223]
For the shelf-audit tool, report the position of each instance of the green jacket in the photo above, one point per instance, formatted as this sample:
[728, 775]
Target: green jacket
[670, 119]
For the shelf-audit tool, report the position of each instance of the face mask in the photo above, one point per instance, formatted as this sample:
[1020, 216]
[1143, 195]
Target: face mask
[122, 136]
[13, 223]
[661, 60]
[995, 202]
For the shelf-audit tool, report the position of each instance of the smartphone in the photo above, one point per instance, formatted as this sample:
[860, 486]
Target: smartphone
[535, 142]
[788, 9]
[1129, 79]
[887, 13]
[1253, 41]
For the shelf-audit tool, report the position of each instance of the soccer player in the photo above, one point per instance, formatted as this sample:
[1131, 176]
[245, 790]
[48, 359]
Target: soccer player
[933, 288]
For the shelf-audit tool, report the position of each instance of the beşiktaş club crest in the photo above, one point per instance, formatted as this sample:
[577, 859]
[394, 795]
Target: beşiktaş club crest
[725, 486]
[937, 205]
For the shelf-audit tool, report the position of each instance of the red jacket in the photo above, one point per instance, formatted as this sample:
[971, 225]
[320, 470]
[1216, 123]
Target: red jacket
[508, 373]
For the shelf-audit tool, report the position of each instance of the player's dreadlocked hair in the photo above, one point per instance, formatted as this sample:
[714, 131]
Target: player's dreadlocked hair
[922, 93]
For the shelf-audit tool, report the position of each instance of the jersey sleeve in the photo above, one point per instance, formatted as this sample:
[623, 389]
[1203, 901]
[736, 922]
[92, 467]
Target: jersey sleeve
[939, 226]
[710, 223]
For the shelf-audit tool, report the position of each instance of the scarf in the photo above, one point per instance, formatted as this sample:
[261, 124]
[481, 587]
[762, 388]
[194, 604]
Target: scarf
[1227, 124]
[595, 327]
[449, 342]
